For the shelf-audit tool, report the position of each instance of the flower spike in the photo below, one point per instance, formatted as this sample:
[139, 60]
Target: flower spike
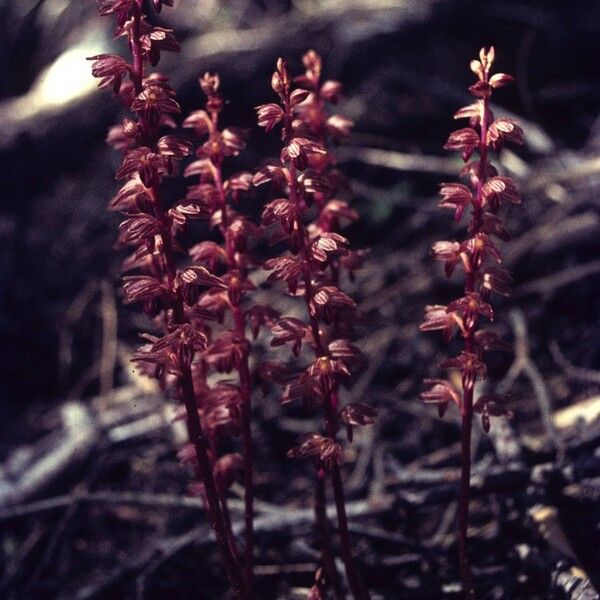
[478, 257]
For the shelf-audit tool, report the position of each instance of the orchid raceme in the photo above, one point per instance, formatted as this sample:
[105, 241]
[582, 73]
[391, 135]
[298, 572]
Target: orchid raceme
[169, 294]
[217, 198]
[479, 259]
[304, 182]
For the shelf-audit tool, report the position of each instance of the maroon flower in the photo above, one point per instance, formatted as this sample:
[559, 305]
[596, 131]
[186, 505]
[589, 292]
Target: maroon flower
[324, 449]
[188, 280]
[329, 300]
[442, 393]
[269, 115]
[437, 318]
[339, 126]
[110, 69]
[357, 414]
[233, 140]
[173, 146]
[447, 252]
[498, 189]
[139, 228]
[470, 366]
[139, 288]
[208, 254]
[132, 197]
[470, 306]
[153, 102]
[120, 8]
[155, 40]
[289, 330]
[298, 150]
[261, 316]
[143, 162]
[471, 112]
[285, 268]
[504, 130]
[209, 83]
[466, 140]
[455, 196]
[328, 246]
[331, 91]
[486, 194]
[478, 248]
[199, 121]
[271, 172]
[279, 215]
[122, 136]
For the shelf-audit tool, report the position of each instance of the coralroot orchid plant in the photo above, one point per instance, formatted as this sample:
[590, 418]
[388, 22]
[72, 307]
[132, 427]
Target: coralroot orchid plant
[304, 181]
[226, 405]
[478, 257]
[169, 294]
[202, 309]
[201, 300]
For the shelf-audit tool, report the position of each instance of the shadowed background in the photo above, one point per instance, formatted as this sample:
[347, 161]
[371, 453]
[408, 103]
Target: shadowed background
[404, 66]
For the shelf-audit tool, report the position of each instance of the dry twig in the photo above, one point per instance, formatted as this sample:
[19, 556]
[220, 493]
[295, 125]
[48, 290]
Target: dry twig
[523, 365]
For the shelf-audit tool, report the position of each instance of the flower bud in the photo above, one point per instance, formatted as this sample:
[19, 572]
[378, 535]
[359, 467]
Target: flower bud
[277, 83]
[477, 68]
[209, 83]
[312, 61]
[331, 91]
[500, 80]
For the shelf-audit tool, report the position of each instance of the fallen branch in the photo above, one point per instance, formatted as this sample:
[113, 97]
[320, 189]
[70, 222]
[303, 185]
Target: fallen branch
[70, 446]
[116, 418]
[574, 583]
[398, 161]
[551, 236]
[523, 365]
[570, 370]
[546, 286]
[571, 580]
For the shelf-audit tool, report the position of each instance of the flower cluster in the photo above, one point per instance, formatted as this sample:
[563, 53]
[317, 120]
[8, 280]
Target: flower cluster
[304, 181]
[225, 405]
[174, 296]
[480, 259]
[201, 306]
[201, 299]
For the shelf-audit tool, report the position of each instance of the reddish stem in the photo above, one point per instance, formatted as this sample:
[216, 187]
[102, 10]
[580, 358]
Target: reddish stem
[465, 464]
[218, 517]
[245, 390]
[323, 527]
[245, 393]
[357, 588]
[187, 395]
[467, 403]
[218, 514]
[197, 437]
[136, 50]
[463, 498]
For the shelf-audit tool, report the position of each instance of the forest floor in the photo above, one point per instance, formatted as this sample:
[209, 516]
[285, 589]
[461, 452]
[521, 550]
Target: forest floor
[93, 501]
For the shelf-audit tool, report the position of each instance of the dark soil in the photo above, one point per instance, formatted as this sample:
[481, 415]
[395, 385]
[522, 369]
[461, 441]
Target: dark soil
[404, 78]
